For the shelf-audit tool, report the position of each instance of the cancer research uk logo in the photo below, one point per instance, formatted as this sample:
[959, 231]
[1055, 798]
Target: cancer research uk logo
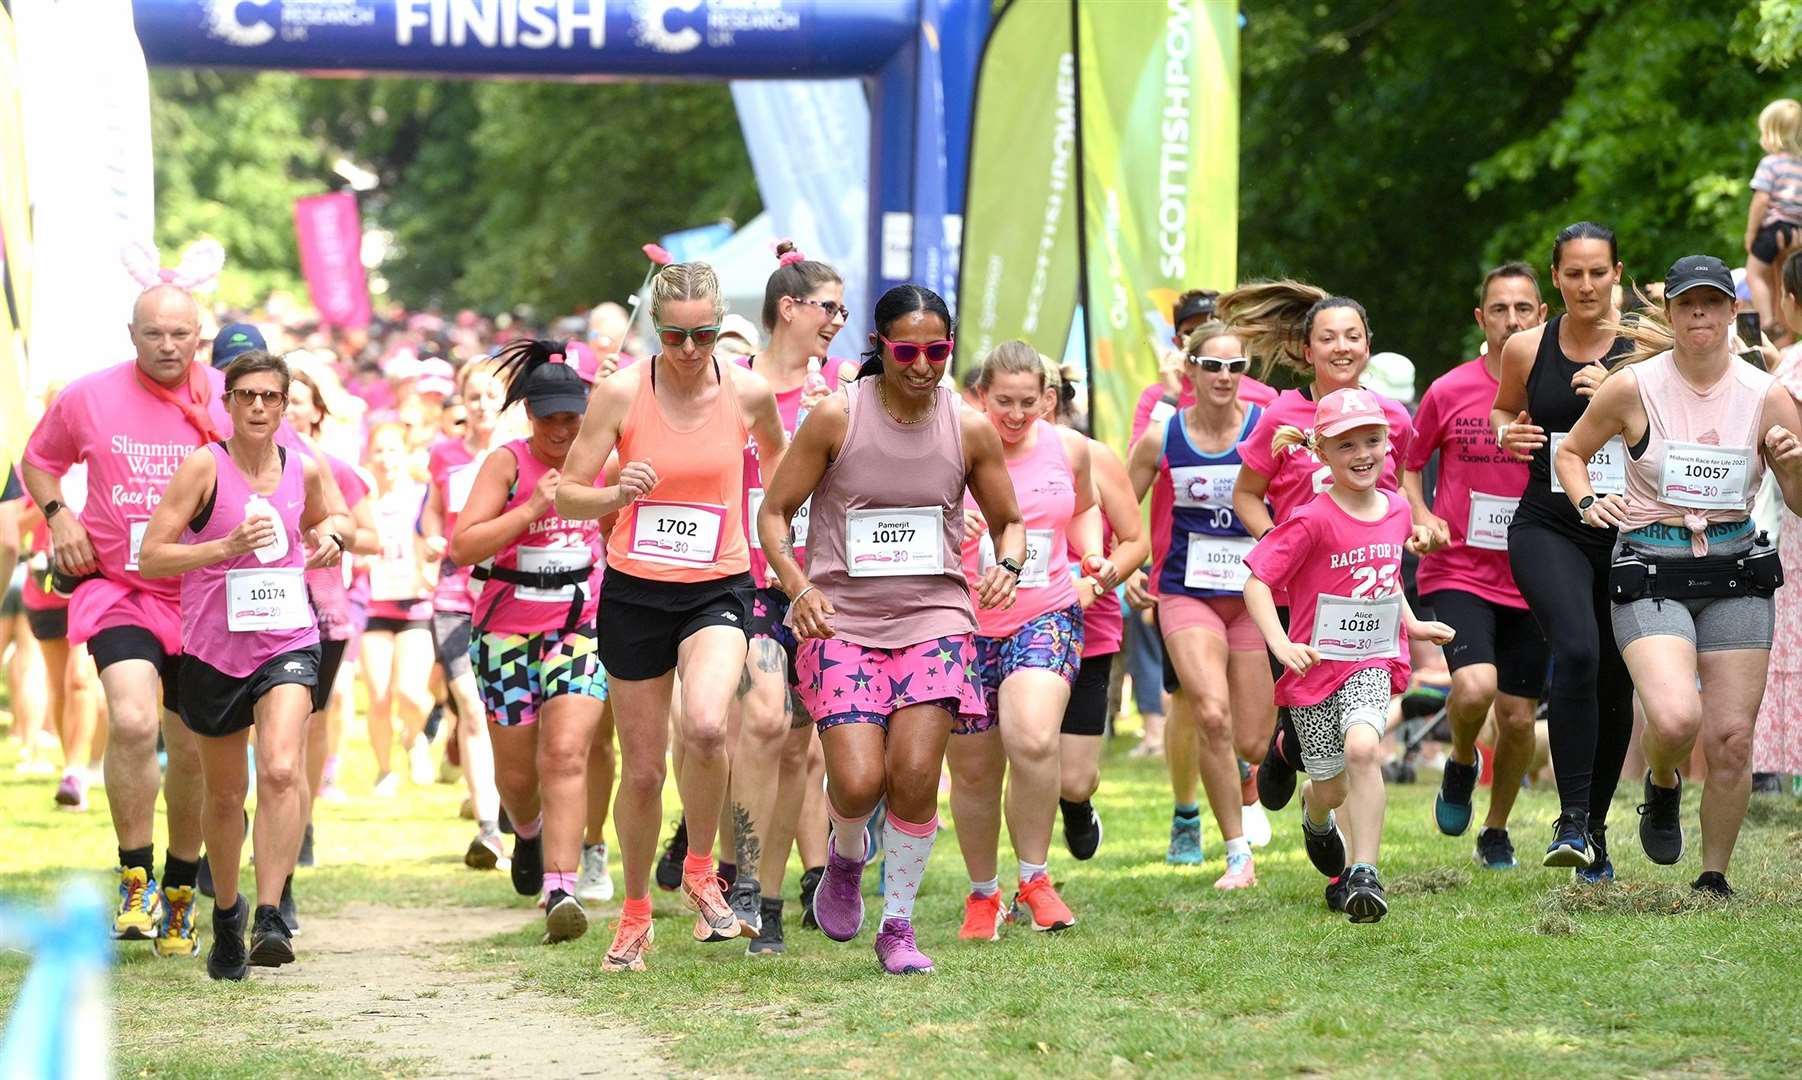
[651, 25]
[244, 24]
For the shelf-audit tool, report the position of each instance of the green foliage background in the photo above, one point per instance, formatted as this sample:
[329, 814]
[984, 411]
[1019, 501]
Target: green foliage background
[1391, 149]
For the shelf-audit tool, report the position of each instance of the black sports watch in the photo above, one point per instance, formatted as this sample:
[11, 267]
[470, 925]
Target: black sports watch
[1011, 565]
[51, 508]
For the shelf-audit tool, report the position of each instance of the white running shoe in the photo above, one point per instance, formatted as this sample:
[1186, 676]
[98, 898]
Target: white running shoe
[388, 786]
[594, 886]
[419, 762]
[1257, 825]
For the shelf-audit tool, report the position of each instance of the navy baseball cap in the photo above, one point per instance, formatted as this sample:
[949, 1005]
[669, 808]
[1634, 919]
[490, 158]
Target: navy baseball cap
[1692, 271]
[234, 339]
[556, 387]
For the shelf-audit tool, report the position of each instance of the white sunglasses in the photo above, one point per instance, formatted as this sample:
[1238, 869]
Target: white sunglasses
[1214, 365]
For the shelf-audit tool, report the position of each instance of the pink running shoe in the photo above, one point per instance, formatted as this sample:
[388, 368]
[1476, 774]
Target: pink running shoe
[896, 950]
[72, 793]
[838, 901]
[1239, 873]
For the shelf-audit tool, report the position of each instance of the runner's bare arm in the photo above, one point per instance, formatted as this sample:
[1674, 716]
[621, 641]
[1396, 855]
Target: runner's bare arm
[325, 546]
[1248, 502]
[1261, 605]
[757, 403]
[989, 482]
[1608, 414]
[365, 539]
[482, 530]
[1085, 525]
[803, 465]
[431, 522]
[1781, 443]
[1142, 467]
[1120, 503]
[162, 554]
[69, 541]
[578, 496]
[1414, 488]
[1510, 407]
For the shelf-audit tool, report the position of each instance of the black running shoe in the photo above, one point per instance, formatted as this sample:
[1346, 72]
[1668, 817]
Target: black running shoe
[1082, 828]
[1661, 822]
[810, 880]
[226, 959]
[290, 913]
[1452, 806]
[728, 874]
[768, 941]
[1335, 894]
[565, 919]
[1715, 882]
[1494, 850]
[528, 865]
[669, 865]
[306, 848]
[504, 823]
[1276, 773]
[1767, 783]
[1600, 869]
[1326, 850]
[270, 943]
[432, 720]
[746, 901]
[1570, 844]
[203, 876]
[1364, 901]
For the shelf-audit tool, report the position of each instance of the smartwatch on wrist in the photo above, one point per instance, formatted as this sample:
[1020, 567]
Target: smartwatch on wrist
[1584, 504]
[51, 508]
[1011, 565]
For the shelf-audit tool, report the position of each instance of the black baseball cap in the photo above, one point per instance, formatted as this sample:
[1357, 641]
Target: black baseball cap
[554, 388]
[233, 340]
[1693, 270]
[1200, 305]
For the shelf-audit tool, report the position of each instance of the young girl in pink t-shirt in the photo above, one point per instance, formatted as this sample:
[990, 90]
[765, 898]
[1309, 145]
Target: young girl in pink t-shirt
[1339, 556]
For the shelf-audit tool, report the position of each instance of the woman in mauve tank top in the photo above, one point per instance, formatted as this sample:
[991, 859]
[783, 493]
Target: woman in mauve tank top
[1692, 612]
[240, 524]
[887, 663]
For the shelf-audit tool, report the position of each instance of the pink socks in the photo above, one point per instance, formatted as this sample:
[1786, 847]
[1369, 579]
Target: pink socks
[905, 849]
[556, 879]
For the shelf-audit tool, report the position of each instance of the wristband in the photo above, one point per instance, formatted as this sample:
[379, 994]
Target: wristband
[1501, 435]
[797, 597]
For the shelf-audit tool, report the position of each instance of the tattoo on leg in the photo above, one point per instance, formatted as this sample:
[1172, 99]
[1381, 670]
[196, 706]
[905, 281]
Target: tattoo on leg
[750, 850]
[797, 715]
[744, 682]
[769, 655]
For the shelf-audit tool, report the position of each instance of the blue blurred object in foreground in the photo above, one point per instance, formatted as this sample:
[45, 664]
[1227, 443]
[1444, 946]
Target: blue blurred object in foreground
[60, 1025]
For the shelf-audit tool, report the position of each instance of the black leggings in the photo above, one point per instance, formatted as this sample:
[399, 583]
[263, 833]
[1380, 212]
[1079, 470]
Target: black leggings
[1590, 704]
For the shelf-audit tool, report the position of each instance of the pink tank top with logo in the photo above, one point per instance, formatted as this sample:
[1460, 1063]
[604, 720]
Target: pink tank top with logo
[452, 469]
[1701, 461]
[888, 525]
[1045, 488]
[549, 544]
[238, 614]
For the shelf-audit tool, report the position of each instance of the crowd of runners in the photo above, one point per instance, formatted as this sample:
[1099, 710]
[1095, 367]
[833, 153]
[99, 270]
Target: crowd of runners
[827, 589]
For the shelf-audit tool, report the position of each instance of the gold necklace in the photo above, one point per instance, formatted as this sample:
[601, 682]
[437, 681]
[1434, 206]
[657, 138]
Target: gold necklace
[882, 393]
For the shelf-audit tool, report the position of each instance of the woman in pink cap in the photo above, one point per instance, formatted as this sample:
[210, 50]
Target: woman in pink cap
[1340, 558]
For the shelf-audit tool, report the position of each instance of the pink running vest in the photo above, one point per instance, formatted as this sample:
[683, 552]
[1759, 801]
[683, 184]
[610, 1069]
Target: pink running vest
[206, 593]
[549, 544]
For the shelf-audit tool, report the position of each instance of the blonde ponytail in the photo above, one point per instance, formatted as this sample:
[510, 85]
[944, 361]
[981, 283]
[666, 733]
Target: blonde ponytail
[1649, 329]
[1270, 317]
[1290, 438]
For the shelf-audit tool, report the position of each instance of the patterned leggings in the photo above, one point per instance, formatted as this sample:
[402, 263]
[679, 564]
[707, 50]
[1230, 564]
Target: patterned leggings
[1363, 698]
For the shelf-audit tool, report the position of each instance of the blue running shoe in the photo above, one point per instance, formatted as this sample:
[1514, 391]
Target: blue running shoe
[1495, 851]
[1601, 868]
[1452, 806]
[1570, 840]
[1185, 841]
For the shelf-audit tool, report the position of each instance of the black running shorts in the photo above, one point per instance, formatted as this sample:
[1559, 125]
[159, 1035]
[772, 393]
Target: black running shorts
[644, 622]
[216, 704]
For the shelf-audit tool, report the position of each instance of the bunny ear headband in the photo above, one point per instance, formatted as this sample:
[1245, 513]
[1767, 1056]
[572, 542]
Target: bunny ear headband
[197, 272]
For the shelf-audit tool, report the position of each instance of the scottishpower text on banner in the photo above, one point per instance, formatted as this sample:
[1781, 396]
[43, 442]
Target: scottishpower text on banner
[1159, 198]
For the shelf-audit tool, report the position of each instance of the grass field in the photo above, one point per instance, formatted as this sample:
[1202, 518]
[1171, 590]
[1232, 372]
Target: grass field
[1516, 973]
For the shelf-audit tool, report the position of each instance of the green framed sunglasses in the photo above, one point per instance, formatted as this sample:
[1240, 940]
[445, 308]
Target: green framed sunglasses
[673, 336]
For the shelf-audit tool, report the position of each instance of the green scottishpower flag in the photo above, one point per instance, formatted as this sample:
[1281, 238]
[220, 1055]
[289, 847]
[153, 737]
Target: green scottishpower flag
[1158, 98]
[1019, 265]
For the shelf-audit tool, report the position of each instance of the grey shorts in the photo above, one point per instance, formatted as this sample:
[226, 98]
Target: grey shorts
[1709, 623]
[450, 636]
[1362, 699]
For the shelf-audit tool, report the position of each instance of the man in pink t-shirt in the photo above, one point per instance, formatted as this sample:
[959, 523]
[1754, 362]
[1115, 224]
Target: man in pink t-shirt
[1499, 655]
[132, 425]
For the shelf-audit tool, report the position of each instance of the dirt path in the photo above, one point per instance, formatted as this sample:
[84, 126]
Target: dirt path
[383, 976]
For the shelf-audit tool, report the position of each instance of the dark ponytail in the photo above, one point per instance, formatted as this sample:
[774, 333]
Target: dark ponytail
[1583, 230]
[896, 304]
[515, 362]
[795, 277]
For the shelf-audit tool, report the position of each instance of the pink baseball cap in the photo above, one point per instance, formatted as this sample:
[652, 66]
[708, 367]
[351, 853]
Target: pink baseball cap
[1343, 410]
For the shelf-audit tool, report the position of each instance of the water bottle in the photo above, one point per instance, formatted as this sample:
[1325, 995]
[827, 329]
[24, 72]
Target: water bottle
[257, 506]
[813, 384]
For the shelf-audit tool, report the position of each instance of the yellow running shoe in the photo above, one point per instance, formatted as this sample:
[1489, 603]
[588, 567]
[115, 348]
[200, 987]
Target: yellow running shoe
[140, 913]
[177, 936]
[631, 940]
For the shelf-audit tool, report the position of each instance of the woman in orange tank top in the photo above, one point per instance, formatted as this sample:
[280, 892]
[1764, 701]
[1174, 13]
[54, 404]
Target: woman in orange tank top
[676, 596]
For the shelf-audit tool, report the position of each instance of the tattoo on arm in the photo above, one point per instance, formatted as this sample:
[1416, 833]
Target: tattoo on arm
[750, 850]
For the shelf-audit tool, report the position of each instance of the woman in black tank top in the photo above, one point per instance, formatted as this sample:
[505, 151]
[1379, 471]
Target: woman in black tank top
[1560, 564]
